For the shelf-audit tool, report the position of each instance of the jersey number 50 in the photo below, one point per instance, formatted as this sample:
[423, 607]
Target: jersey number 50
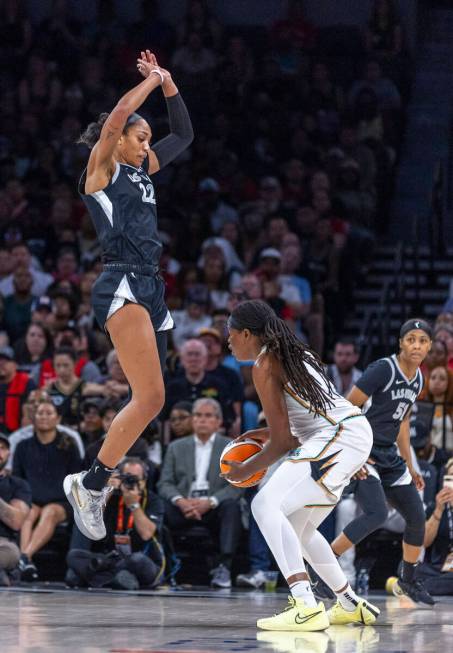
[400, 411]
[147, 193]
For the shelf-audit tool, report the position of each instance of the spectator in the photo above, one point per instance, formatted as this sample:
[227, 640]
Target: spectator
[90, 426]
[232, 381]
[439, 393]
[343, 371]
[384, 34]
[194, 317]
[130, 556]
[436, 572]
[15, 387]
[194, 492]
[194, 63]
[437, 357]
[216, 210]
[43, 461]
[444, 332]
[67, 391]
[108, 410]
[17, 306]
[114, 386]
[41, 311]
[21, 255]
[388, 96]
[195, 382]
[34, 354]
[28, 418]
[76, 338]
[181, 420]
[15, 502]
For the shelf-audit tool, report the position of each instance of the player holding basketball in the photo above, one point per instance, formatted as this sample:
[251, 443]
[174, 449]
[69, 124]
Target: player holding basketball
[329, 440]
[128, 297]
[387, 391]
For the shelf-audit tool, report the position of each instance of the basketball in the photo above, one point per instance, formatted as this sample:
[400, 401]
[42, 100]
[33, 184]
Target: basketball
[240, 451]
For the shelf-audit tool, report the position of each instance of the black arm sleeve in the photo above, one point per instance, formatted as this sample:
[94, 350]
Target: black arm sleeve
[181, 132]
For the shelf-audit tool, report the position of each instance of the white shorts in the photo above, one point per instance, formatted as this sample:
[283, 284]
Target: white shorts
[336, 453]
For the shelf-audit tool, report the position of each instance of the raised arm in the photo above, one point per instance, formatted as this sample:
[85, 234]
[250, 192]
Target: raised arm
[102, 153]
[181, 132]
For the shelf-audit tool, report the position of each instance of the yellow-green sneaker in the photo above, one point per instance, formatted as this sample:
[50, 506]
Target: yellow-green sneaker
[297, 617]
[365, 613]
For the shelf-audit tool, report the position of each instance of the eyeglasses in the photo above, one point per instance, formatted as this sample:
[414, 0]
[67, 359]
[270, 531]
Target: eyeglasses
[205, 415]
[180, 419]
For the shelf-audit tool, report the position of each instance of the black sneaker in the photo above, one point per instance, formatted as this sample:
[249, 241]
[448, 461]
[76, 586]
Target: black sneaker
[318, 586]
[415, 590]
[28, 571]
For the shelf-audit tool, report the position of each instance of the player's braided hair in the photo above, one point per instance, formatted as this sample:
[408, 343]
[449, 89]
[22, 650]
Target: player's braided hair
[91, 134]
[261, 320]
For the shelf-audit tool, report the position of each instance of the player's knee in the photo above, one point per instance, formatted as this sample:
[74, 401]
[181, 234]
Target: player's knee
[379, 515]
[258, 507]
[150, 400]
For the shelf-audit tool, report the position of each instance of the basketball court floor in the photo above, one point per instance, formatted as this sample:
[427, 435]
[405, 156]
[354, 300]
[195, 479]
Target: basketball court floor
[167, 621]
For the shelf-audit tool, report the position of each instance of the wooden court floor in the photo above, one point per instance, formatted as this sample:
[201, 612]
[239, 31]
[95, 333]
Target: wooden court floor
[52, 620]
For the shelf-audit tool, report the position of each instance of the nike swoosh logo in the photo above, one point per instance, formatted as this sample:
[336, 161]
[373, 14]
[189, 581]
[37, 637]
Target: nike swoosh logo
[398, 382]
[302, 620]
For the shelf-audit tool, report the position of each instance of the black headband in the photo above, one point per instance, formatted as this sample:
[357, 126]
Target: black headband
[132, 119]
[413, 324]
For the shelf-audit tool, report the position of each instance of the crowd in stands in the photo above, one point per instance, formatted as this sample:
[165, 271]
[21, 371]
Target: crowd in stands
[281, 197]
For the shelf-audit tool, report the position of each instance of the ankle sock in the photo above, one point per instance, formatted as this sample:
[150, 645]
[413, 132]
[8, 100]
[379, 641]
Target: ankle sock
[97, 476]
[302, 590]
[348, 598]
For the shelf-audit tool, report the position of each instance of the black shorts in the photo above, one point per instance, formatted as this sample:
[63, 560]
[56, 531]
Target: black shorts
[119, 284]
[392, 469]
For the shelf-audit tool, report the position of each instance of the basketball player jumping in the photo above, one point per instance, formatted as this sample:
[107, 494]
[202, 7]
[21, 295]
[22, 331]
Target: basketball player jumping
[387, 391]
[128, 296]
[329, 440]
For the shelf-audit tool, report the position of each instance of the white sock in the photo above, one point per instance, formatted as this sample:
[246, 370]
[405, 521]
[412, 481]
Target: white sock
[302, 590]
[348, 598]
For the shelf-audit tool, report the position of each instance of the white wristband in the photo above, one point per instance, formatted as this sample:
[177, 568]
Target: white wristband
[155, 70]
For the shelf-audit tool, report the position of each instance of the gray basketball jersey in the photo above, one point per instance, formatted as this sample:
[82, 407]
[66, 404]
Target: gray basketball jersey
[391, 395]
[125, 217]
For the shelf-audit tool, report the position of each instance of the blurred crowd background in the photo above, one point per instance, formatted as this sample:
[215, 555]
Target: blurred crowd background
[282, 196]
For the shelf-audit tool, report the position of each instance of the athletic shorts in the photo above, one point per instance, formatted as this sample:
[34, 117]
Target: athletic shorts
[390, 468]
[120, 284]
[336, 453]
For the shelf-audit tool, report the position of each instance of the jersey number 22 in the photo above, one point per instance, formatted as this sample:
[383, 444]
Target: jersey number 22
[147, 193]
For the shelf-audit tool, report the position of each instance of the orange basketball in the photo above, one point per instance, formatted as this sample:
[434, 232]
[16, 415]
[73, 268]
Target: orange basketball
[240, 451]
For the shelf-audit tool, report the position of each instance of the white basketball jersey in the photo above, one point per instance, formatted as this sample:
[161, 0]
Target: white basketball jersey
[305, 422]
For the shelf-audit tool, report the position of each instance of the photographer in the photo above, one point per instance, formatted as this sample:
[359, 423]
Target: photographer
[130, 556]
[437, 572]
[15, 502]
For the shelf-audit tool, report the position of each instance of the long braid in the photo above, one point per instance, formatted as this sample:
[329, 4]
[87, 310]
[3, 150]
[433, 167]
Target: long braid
[294, 356]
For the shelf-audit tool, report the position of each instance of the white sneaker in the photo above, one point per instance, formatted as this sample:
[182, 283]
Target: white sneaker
[88, 506]
[254, 579]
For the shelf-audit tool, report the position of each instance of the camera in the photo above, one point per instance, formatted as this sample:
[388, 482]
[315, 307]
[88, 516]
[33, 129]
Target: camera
[129, 481]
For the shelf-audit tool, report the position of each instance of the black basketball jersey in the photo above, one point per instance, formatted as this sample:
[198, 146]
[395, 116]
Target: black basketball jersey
[125, 217]
[391, 395]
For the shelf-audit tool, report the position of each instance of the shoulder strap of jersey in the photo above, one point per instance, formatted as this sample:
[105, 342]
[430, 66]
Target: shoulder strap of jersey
[391, 362]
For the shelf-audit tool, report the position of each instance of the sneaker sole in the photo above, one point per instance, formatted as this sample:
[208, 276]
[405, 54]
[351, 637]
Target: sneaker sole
[397, 591]
[295, 628]
[67, 487]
